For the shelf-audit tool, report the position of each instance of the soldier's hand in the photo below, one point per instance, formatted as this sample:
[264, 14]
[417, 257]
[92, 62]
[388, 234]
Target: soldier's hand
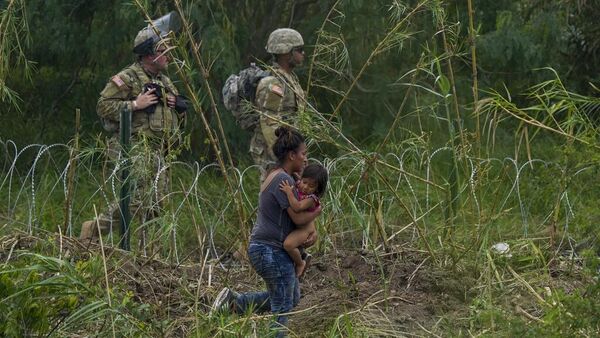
[171, 101]
[145, 100]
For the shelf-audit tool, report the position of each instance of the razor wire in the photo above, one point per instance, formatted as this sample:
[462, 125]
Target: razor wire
[35, 191]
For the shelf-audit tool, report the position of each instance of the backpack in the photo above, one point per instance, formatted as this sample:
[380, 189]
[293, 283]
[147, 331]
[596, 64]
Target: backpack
[239, 93]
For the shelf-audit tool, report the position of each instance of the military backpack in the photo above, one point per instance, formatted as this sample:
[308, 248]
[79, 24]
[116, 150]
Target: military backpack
[239, 93]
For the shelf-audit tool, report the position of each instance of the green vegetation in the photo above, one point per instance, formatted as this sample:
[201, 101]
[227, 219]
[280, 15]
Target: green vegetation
[445, 131]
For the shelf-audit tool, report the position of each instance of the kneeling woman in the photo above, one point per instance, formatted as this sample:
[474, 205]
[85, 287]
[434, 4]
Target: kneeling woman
[275, 221]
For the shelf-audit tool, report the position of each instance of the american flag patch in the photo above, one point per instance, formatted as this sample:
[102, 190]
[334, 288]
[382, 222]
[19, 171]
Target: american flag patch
[276, 89]
[117, 80]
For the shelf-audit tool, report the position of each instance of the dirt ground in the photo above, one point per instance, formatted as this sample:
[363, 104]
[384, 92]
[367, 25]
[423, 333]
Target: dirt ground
[410, 299]
[394, 293]
[399, 292]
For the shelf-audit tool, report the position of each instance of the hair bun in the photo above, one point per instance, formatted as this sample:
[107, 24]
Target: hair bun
[288, 139]
[283, 130]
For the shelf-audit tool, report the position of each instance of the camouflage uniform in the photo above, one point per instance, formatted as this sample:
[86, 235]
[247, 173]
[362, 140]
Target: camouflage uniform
[153, 135]
[278, 97]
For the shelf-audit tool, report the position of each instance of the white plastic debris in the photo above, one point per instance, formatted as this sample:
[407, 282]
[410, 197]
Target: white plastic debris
[502, 249]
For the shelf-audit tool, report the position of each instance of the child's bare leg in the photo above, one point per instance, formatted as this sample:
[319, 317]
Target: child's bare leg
[300, 264]
[310, 229]
[294, 240]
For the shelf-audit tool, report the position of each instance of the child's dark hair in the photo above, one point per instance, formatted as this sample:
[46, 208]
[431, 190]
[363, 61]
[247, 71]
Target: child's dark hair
[318, 173]
[287, 140]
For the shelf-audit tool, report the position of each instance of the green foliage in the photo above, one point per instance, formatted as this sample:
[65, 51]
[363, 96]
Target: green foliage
[391, 117]
[79, 52]
[14, 38]
[44, 295]
[573, 315]
[503, 308]
[578, 315]
[40, 293]
[583, 42]
[516, 47]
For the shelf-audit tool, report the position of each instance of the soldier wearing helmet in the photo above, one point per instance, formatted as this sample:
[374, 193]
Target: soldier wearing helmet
[279, 97]
[157, 112]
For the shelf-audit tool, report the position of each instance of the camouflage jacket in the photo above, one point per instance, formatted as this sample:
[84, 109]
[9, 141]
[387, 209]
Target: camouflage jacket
[123, 88]
[280, 95]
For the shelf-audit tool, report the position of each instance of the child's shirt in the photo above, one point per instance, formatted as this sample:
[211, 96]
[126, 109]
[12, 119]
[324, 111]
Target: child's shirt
[302, 196]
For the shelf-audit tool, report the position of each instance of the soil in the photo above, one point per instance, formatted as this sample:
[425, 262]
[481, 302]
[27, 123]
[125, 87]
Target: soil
[337, 283]
[410, 299]
[391, 293]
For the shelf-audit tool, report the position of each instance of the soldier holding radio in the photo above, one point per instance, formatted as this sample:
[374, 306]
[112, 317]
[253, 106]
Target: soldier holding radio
[157, 111]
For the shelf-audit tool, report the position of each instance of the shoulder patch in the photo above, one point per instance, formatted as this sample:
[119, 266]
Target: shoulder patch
[276, 89]
[118, 81]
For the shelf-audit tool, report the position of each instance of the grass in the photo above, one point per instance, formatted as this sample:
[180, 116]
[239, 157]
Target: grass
[523, 178]
[512, 206]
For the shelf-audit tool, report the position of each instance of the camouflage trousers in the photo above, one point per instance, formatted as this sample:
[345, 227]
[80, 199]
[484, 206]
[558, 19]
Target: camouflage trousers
[262, 153]
[148, 179]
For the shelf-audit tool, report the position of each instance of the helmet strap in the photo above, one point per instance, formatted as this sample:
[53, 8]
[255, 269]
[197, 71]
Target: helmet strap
[292, 61]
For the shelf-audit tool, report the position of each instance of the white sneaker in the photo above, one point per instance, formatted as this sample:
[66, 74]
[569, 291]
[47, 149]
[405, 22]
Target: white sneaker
[308, 260]
[224, 301]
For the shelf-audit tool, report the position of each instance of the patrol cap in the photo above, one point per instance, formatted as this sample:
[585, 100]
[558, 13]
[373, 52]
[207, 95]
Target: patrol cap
[146, 39]
[282, 40]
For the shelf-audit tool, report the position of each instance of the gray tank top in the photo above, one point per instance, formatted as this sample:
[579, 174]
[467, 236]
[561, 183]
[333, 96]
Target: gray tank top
[273, 223]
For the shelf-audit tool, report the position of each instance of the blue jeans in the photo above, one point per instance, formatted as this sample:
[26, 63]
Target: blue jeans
[276, 268]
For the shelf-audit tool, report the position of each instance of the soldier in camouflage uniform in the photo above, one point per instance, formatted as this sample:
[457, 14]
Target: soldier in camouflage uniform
[155, 129]
[279, 97]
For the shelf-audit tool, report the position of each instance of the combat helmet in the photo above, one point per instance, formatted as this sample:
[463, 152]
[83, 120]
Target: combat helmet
[282, 40]
[148, 38]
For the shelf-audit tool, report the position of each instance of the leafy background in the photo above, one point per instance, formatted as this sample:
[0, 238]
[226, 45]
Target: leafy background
[429, 168]
[74, 46]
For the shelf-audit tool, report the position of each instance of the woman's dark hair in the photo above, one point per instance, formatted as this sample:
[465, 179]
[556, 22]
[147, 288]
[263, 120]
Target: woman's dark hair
[318, 173]
[287, 140]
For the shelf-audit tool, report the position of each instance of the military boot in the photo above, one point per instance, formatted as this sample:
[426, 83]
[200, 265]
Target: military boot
[89, 229]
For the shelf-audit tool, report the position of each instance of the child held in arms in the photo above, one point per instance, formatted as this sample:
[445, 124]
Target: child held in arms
[310, 187]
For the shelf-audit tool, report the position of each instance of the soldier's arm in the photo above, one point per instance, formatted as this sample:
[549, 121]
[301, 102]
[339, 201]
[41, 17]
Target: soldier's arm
[269, 95]
[115, 97]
